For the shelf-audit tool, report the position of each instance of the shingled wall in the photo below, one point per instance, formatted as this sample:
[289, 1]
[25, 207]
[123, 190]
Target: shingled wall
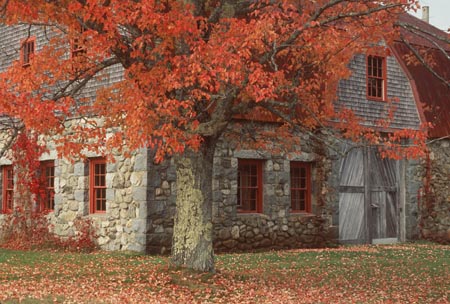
[352, 95]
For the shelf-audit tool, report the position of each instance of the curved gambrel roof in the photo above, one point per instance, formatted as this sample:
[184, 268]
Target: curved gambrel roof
[430, 83]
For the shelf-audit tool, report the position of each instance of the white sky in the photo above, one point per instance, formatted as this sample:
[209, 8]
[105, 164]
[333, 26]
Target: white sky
[439, 13]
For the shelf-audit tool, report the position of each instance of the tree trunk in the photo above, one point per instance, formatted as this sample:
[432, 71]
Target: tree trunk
[192, 245]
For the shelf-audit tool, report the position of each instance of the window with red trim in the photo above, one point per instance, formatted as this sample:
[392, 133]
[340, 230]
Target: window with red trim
[27, 51]
[8, 189]
[250, 185]
[97, 181]
[300, 187]
[78, 49]
[376, 77]
[47, 186]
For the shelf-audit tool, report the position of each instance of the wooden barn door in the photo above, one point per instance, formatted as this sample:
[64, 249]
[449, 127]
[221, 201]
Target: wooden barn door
[368, 198]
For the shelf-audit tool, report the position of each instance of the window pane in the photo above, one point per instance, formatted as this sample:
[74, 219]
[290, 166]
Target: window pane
[8, 188]
[300, 186]
[379, 67]
[47, 181]
[249, 186]
[375, 76]
[27, 51]
[98, 184]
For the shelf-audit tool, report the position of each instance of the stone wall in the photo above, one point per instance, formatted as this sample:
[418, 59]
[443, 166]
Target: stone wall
[123, 226]
[434, 217]
[255, 231]
[161, 206]
[275, 227]
[414, 181]
[5, 137]
[141, 199]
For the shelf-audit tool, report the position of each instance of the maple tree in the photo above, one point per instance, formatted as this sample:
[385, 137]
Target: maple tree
[189, 68]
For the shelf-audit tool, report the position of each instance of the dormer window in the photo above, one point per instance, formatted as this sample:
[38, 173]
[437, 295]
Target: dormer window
[27, 51]
[376, 77]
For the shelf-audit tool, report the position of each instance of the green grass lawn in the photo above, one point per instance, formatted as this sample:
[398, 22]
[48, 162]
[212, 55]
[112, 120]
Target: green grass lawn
[405, 273]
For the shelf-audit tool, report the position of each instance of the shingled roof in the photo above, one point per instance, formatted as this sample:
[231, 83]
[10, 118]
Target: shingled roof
[431, 93]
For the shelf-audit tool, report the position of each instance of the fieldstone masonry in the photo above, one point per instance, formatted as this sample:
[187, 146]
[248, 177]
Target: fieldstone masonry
[435, 206]
[414, 181]
[124, 225]
[161, 206]
[141, 200]
[275, 227]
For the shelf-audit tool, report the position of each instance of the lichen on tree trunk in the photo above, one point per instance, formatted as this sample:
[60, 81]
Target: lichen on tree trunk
[192, 245]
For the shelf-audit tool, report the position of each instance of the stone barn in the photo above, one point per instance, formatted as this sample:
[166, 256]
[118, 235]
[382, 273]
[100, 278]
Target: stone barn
[305, 196]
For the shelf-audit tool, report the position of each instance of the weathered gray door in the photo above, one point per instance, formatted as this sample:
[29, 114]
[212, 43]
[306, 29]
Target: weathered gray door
[368, 198]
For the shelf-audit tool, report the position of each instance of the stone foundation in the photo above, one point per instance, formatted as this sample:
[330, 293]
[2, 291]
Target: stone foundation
[250, 232]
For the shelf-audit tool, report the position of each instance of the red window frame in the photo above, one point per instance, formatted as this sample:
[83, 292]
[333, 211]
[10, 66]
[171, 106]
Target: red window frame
[300, 187]
[78, 42]
[376, 77]
[250, 186]
[78, 49]
[97, 185]
[47, 186]
[27, 50]
[8, 189]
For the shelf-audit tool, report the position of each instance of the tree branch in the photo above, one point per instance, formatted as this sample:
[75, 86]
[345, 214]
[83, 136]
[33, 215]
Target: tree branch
[424, 63]
[14, 126]
[315, 17]
[416, 29]
[3, 8]
[426, 35]
[68, 90]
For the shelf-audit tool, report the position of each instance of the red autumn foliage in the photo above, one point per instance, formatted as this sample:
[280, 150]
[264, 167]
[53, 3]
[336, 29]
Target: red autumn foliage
[189, 68]
[29, 231]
